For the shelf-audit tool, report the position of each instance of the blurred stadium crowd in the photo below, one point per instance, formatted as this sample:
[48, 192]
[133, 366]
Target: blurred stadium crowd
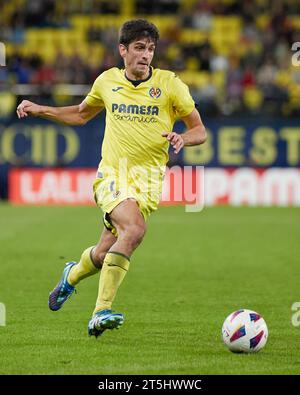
[234, 55]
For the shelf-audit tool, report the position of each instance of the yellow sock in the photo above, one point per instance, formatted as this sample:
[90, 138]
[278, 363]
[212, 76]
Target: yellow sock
[114, 269]
[83, 269]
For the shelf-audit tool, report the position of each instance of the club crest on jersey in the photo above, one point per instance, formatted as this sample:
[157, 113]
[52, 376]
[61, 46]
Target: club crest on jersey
[155, 92]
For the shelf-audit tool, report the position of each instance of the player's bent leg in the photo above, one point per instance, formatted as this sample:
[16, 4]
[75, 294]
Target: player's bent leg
[130, 225]
[90, 263]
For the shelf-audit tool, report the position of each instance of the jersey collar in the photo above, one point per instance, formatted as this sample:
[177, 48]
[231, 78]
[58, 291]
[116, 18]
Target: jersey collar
[138, 82]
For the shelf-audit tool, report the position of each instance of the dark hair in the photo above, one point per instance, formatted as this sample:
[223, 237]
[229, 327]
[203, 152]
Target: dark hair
[138, 28]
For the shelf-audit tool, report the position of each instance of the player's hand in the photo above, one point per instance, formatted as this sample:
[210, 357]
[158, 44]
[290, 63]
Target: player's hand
[175, 140]
[26, 108]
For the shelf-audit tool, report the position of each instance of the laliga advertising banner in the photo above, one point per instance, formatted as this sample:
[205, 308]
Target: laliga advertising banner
[192, 186]
[253, 161]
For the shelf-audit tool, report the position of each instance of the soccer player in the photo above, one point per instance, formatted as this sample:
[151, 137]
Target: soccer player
[142, 104]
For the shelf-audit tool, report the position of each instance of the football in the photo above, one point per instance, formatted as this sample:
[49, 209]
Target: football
[245, 331]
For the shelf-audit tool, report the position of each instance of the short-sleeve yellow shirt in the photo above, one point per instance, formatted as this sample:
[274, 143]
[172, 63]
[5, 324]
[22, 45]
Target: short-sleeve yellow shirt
[136, 116]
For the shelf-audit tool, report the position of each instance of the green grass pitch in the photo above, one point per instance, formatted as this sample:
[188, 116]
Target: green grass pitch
[190, 272]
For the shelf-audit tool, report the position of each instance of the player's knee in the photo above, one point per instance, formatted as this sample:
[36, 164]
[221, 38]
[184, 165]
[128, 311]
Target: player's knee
[134, 233]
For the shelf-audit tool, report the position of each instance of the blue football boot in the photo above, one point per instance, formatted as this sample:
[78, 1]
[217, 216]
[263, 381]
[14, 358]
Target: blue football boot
[62, 291]
[103, 320]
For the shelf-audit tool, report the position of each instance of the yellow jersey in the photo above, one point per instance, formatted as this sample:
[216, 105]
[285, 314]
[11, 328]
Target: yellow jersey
[136, 116]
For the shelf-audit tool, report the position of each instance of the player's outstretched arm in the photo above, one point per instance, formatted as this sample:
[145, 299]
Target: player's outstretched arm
[194, 135]
[70, 115]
